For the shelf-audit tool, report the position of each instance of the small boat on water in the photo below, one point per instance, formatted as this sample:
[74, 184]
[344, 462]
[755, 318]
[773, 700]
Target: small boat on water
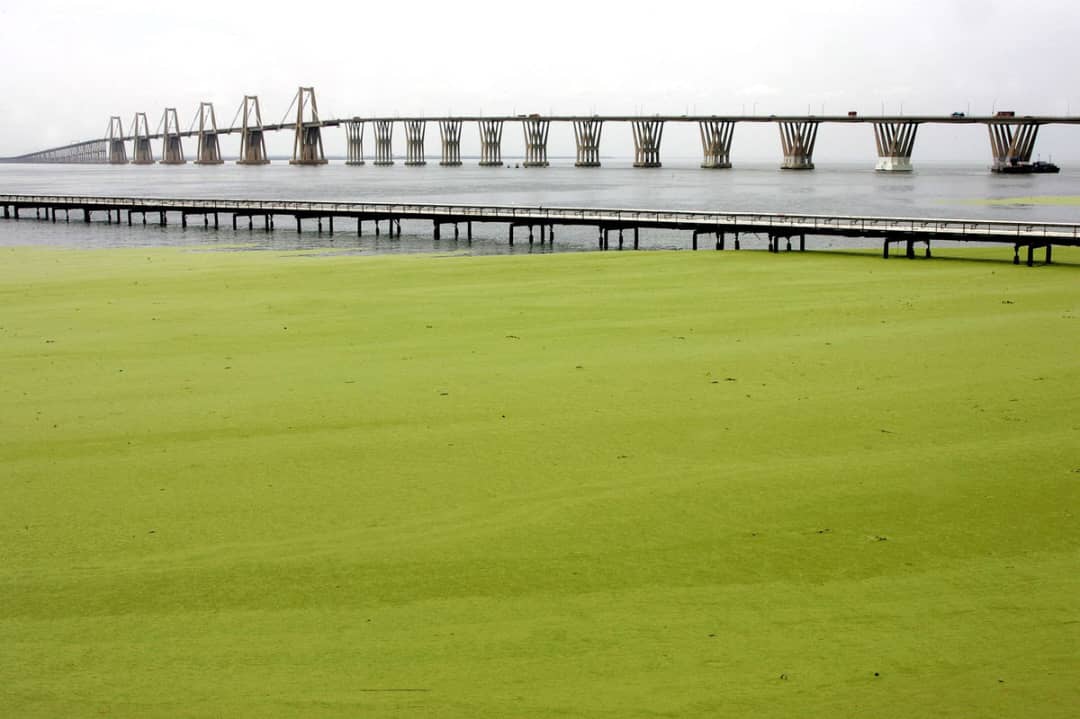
[1028, 168]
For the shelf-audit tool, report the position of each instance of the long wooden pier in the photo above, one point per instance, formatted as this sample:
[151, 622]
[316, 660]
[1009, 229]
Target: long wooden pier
[908, 231]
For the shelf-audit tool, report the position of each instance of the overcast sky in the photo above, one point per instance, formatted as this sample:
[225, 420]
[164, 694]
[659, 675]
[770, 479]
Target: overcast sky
[68, 66]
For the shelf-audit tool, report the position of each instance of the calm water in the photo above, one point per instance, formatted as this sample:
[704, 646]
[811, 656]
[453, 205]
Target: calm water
[931, 191]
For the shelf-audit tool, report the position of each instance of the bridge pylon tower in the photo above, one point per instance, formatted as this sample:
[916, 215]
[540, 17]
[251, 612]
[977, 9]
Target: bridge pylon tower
[172, 146]
[895, 141]
[536, 137]
[414, 143]
[716, 143]
[1012, 143]
[354, 138]
[647, 137]
[450, 135]
[117, 148]
[797, 140]
[209, 152]
[252, 142]
[384, 143]
[491, 143]
[307, 142]
[587, 136]
[142, 153]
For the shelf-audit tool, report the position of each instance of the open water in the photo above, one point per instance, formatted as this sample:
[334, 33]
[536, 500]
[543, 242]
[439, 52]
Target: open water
[931, 191]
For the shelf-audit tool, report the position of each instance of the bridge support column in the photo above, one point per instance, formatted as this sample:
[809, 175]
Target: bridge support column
[450, 135]
[895, 141]
[354, 139]
[491, 143]
[172, 148]
[797, 140]
[1012, 144]
[117, 149]
[209, 152]
[587, 135]
[414, 143]
[252, 142]
[536, 137]
[307, 143]
[647, 137]
[142, 154]
[716, 143]
[384, 136]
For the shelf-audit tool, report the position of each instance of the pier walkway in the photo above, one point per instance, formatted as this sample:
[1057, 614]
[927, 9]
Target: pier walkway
[716, 225]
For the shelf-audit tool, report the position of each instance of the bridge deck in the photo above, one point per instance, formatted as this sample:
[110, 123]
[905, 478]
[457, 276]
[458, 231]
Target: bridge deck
[772, 224]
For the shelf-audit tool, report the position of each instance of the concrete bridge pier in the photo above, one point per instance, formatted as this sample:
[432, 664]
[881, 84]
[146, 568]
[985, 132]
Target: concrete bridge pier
[895, 141]
[384, 139]
[587, 135]
[797, 140]
[491, 143]
[450, 135]
[354, 142]
[414, 143]
[1012, 143]
[117, 149]
[536, 137]
[209, 152]
[142, 153]
[252, 142]
[307, 142]
[716, 143]
[172, 147]
[647, 137]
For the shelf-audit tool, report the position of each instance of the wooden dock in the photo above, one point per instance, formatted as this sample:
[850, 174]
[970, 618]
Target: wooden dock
[717, 226]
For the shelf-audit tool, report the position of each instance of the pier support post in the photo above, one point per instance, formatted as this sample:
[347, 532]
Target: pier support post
[536, 137]
[252, 142]
[716, 143]
[307, 142]
[384, 138]
[117, 148]
[894, 141]
[647, 137]
[142, 154]
[450, 137]
[491, 143]
[797, 140]
[209, 152]
[172, 148]
[414, 143]
[354, 142]
[1012, 143]
[587, 136]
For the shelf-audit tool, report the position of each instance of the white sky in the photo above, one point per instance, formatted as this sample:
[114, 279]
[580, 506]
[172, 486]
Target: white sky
[68, 66]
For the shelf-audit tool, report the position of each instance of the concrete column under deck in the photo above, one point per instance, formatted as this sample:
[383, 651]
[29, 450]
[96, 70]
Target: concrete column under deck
[536, 137]
[414, 143]
[384, 137]
[307, 142]
[647, 137]
[491, 143]
[209, 151]
[716, 143]
[172, 147]
[587, 136]
[354, 138]
[895, 141]
[450, 136]
[797, 140]
[1012, 144]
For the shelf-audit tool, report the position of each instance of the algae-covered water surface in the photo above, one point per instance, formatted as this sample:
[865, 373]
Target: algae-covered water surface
[595, 485]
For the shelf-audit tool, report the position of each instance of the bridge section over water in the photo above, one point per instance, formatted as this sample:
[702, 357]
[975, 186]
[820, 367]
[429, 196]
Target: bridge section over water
[717, 225]
[1012, 138]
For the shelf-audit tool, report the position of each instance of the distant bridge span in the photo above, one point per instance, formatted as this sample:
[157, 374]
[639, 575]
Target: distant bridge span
[1012, 138]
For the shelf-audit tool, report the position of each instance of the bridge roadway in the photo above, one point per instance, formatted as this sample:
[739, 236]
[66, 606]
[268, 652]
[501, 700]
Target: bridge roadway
[775, 226]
